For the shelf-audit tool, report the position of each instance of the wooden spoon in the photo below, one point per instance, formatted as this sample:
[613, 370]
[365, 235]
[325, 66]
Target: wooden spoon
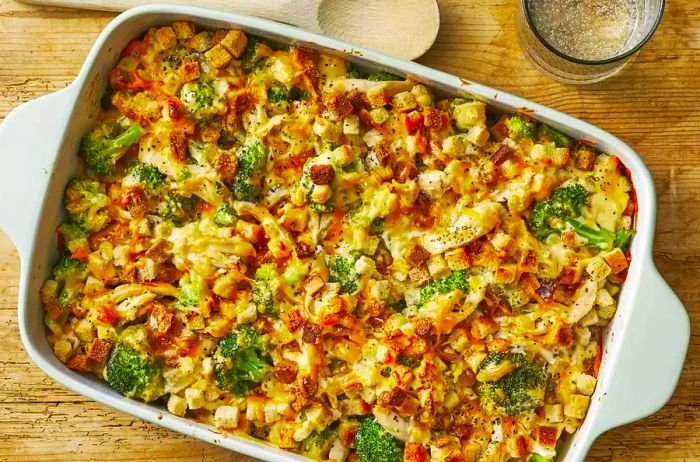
[403, 28]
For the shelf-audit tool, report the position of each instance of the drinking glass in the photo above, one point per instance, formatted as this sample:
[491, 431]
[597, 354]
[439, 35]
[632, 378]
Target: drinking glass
[568, 68]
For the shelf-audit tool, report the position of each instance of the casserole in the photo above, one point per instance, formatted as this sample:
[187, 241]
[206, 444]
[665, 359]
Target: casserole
[624, 393]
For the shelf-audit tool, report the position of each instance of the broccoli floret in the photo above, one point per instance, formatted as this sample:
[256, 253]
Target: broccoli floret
[105, 145]
[547, 133]
[521, 127]
[201, 100]
[265, 286]
[174, 58]
[408, 361]
[601, 238]
[383, 76]
[316, 445]
[86, 204]
[225, 215]
[303, 95]
[69, 268]
[245, 189]
[252, 158]
[146, 175]
[72, 273]
[456, 280]
[251, 163]
[341, 268]
[241, 360]
[375, 444]
[193, 291]
[397, 305]
[254, 55]
[511, 293]
[354, 73]
[131, 373]
[322, 207]
[278, 95]
[520, 390]
[538, 458]
[564, 203]
[75, 238]
[177, 209]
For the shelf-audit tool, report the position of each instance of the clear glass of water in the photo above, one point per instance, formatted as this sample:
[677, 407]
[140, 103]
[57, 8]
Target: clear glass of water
[585, 41]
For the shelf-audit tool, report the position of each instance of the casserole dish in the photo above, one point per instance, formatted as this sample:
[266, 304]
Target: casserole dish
[626, 391]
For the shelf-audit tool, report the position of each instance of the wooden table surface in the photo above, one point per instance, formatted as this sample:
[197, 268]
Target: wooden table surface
[654, 105]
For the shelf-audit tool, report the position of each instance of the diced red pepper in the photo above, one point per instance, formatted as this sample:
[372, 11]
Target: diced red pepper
[412, 122]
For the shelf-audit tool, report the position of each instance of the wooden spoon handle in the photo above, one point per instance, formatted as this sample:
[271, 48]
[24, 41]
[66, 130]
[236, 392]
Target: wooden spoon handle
[302, 13]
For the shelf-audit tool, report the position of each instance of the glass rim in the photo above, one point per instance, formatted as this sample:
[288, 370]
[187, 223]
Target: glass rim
[561, 54]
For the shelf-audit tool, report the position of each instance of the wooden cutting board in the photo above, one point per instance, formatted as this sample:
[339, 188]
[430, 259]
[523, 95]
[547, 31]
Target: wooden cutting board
[654, 105]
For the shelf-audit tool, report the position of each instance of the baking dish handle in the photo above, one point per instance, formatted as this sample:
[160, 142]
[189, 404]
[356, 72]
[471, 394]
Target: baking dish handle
[646, 371]
[30, 137]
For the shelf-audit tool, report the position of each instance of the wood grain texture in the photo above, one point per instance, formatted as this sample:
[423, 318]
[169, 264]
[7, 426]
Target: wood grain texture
[404, 28]
[654, 105]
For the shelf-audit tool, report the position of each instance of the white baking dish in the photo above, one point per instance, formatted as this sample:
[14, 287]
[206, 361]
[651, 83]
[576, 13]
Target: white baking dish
[645, 345]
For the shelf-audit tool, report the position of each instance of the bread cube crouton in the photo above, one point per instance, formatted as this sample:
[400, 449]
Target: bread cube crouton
[379, 115]
[99, 350]
[235, 42]
[422, 95]
[54, 309]
[603, 298]
[505, 274]
[226, 417]
[189, 70]
[321, 174]
[560, 156]
[63, 350]
[617, 260]
[218, 56]
[248, 313]
[321, 193]
[469, 114]
[183, 29]
[373, 137]
[417, 255]
[598, 269]
[404, 101]
[546, 436]
[326, 129]
[585, 384]
[483, 327]
[79, 363]
[419, 275]
[606, 312]
[457, 259]
[554, 413]
[194, 398]
[200, 42]
[502, 243]
[313, 285]
[351, 125]
[590, 319]
[255, 409]
[84, 330]
[376, 97]
[177, 405]
[437, 266]
[576, 406]
[478, 135]
[436, 119]
[585, 160]
[166, 37]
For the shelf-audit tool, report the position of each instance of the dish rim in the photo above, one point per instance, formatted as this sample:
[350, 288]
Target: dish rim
[643, 279]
